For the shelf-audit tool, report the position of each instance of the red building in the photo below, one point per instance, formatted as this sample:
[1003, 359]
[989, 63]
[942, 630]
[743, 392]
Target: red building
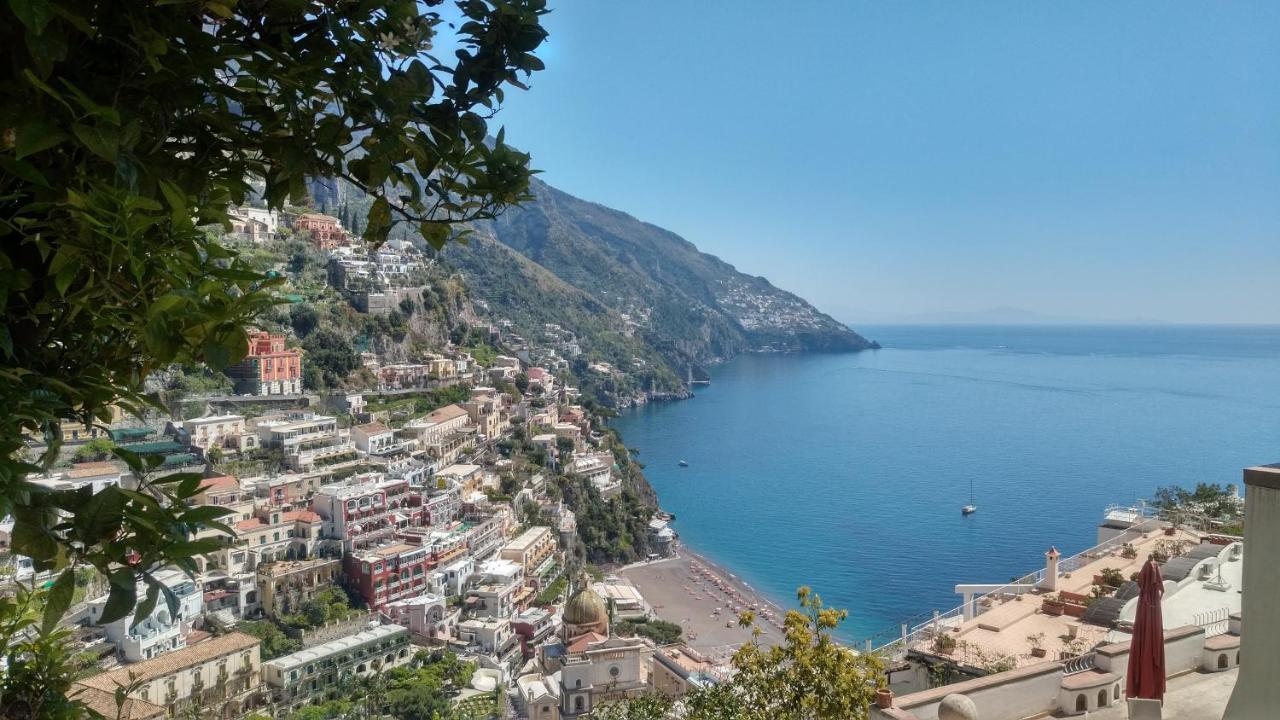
[392, 573]
[367, 511]
[270, 368]
[325, 230]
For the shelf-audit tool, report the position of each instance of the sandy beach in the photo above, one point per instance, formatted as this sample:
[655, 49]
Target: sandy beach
[702, 596]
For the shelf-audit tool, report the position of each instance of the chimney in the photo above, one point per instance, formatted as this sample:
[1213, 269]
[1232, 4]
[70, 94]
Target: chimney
[1050, 581]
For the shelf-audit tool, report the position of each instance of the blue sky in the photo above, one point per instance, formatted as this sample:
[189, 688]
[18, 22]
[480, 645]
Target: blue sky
[1097, 159]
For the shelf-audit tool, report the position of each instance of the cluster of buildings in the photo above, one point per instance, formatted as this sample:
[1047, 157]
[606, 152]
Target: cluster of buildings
[405, 515]
[377, 281]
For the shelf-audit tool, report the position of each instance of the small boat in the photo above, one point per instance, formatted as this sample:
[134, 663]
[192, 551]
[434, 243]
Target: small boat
[683, 463]
[971, 508]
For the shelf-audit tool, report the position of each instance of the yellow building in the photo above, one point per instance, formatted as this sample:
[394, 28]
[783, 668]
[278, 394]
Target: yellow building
[284, 585]
[221, 674]
[531, 549]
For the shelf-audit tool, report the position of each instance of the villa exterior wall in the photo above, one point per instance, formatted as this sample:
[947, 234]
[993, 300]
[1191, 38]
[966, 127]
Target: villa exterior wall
[1008, 696]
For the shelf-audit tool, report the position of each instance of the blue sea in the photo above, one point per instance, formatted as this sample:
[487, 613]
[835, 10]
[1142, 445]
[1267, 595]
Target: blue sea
[847, 472]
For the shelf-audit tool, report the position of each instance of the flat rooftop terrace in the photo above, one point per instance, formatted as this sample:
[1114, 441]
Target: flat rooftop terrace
[1007, 620]
[1194, 696]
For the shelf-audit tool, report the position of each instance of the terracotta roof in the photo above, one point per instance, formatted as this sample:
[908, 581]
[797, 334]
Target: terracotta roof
[448, 412]
[250, 524]
[172, 662]
[584, 641]
[92, 469]
[373, 428]
[301, 516]
[394, 550]
[103, 702]
[220, 482]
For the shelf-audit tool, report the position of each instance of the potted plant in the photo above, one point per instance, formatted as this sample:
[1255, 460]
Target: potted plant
[1109, 577]
[1128, 551]
[884, 698]
[1036, 642]
[1170, 530]
[944, 644]
[1052, 605]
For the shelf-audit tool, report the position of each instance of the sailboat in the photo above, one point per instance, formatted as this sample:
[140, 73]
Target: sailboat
[970, 508]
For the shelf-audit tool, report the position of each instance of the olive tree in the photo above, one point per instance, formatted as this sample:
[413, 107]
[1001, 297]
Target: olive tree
[130, 126]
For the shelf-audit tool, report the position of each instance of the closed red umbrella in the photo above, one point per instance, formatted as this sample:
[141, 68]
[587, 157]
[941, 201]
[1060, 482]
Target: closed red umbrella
[1146, 650]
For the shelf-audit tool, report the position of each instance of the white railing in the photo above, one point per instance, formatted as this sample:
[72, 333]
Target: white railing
[1080, 663]
[895, 642]
[1215, 622]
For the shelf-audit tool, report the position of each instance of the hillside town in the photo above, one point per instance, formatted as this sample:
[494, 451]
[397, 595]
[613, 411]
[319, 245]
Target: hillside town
[376, 529]
[453, 530]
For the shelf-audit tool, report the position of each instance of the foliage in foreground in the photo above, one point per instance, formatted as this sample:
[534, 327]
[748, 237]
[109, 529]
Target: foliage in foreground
[128, 128]
[807, 677]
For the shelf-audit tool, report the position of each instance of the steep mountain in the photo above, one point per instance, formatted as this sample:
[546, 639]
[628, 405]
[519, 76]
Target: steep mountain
[694, 308]
[515, 288]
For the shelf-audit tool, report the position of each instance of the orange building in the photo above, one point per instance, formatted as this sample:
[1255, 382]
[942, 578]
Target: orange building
[270, 368]
[325, 230]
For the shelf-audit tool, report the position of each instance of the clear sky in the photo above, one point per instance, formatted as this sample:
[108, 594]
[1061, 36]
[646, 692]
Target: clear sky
[1096, 159]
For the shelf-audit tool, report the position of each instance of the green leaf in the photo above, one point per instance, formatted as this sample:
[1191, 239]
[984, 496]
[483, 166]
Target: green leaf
[204, 513]
[436, 234]
[35, 14]
[170, 599]
[36, 136]
[59, 598]
[23, 170]
[380, 213]
[99, 518]
[100, 140]
[31, 537]
[63, 280]
[124, 594]
[193, 548]
[148, 604]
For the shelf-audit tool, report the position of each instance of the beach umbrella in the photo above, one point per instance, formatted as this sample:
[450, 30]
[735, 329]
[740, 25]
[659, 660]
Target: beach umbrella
[1146, 650]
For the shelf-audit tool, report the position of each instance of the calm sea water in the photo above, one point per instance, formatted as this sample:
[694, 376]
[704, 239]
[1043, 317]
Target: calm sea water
[847, 472]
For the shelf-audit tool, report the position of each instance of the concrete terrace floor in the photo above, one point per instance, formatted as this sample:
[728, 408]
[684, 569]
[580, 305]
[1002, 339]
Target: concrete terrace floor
[1003, 628]
[1194, 696]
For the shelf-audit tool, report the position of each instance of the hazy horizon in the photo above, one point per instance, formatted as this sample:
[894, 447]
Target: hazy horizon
[1087, 160]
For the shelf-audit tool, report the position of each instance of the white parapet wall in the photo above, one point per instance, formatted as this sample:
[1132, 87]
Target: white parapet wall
[1037, 689]
[1011, 695]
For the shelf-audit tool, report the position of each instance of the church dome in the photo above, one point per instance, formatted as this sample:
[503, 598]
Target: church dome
[585, 608]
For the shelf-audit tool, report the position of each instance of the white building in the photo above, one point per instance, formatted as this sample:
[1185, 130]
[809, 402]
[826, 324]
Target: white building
[297, 678]
[427, 616]
[489, 636]
[220, 431]
[374, 438]
[162, 631]
[500, 589]
[307, 441]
